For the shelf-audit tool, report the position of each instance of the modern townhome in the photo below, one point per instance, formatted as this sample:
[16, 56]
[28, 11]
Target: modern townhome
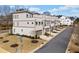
[66, 20]
[31, 23]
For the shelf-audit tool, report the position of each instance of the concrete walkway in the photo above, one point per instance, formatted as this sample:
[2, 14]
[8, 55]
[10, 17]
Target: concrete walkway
[57, 44]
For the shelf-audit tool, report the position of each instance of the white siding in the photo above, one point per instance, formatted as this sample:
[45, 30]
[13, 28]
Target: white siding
[26, 31]
[21, 16]
[22, 24]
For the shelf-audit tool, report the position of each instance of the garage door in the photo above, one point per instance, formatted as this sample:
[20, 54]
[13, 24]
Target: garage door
[39, 32]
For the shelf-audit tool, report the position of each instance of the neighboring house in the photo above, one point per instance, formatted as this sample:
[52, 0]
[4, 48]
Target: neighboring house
[66, 20]
[31, 24]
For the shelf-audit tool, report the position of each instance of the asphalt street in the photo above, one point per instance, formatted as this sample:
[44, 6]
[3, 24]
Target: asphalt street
[57, 44]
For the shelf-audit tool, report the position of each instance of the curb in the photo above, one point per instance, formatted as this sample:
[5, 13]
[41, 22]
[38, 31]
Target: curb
[68, 46]
[38, 47]
[3, 51]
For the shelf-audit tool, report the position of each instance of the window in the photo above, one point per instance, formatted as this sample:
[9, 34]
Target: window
[67, 20]
[14, 30]
[36, 23]
[27, 22]
[31, 15]
[45, 24]
[42, 23]
[52, 22]
[39, 23]
[21, 30]
[26, 15]
[16, 16]
[17, 23]
[32, 22]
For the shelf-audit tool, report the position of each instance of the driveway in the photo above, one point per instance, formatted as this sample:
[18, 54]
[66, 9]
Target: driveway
[57, 44]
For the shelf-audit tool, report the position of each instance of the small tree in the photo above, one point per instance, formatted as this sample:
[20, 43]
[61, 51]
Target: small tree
[76, 21]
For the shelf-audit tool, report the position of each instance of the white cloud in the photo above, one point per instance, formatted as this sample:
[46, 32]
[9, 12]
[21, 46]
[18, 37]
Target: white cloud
[53, 10]
[72, 6]
[35, 9]
[75, 11]
[70, 10]
[12, 6]
[58, 9]
[62, 8]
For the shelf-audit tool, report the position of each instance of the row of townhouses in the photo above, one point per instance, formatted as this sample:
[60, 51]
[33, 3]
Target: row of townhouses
[31, 23]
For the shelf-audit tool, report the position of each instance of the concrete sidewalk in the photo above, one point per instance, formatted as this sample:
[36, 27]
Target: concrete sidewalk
[48, 38]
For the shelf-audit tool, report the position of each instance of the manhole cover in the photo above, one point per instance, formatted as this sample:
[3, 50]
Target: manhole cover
[14, 45]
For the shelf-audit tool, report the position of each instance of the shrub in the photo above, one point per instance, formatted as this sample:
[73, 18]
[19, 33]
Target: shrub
[31, 37]
[14, 45]
[46, 34]
[5, 41]
[1, 37]
[36, 37]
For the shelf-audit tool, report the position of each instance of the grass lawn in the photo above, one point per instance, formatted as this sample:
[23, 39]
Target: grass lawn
[73, 46]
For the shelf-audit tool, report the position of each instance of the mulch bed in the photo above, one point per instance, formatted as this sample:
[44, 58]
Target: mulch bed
[1, 37]
[5, 41]
[76, 52]
[34, 41]
[14, 45]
